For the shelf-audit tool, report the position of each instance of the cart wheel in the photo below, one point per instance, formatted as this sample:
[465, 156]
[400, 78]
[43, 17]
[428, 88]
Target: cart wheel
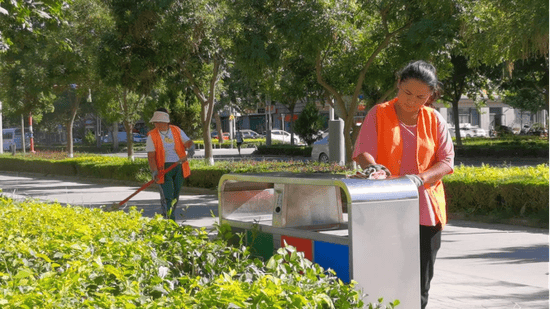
[323, 158]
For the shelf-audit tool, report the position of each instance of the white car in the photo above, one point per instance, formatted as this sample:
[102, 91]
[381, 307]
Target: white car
[284, 137]
[250, 134]
[319, 150]
[469, 132]
[477, 132]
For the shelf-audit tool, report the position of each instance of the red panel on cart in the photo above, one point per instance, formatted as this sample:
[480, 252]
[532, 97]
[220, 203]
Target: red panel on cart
[301, 244]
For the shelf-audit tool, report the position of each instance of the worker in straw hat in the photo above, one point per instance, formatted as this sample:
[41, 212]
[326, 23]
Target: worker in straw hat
[166, 145]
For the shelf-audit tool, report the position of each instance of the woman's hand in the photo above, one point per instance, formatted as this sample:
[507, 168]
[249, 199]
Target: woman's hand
[155, 175]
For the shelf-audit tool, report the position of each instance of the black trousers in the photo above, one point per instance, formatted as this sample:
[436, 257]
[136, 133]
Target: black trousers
[430, 242]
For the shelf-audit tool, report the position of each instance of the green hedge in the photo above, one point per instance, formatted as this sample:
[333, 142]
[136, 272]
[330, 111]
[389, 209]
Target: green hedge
[248, 143]
[511, 146]
[57, 256]
[511, 192]
[284, 150]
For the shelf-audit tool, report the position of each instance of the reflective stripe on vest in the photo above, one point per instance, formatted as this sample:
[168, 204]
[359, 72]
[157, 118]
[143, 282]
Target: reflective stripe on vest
[390, 148]
[179, 147]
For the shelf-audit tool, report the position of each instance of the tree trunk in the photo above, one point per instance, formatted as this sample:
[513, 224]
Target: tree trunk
[456, 120]
[128, 126]
[74, 110]
[207, 108]
[291, 126]
[129, 139]
[115, 136]
[219, 127]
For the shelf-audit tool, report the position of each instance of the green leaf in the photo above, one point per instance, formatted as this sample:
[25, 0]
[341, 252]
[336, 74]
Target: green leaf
[23, 273]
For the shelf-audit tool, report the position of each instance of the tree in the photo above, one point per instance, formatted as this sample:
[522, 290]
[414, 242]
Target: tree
[195, 34]
[309, 123]
[26, 88]
[497, 32]
[20, 19]
[182, 104]
[73, 58]
[348, 41]
[478, 83]
[527, 87]
[130, 61]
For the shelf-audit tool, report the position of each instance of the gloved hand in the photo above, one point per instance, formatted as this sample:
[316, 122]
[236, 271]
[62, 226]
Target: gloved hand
[373, 171]
[182, 159]
[416, 179]
[373, 168]
[155, 175]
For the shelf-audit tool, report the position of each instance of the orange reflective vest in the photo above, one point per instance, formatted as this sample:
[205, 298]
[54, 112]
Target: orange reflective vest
[390, 149]
[159, 151]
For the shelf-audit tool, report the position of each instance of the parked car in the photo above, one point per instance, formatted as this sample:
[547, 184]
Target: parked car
[284, 137]
[475, 132]
[214, 134]
[469, 132]
[319, 150]
[250, 134]
[139, 138]
[121, 137]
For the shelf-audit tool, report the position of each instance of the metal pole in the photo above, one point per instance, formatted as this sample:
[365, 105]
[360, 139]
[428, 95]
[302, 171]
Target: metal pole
[23, 133]
[268, 122]
[31, 133]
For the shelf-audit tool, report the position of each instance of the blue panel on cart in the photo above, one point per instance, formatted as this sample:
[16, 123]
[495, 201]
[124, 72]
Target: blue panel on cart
[333, 256]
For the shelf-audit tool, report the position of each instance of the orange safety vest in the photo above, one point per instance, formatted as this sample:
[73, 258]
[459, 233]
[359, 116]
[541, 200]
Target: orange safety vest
[159, 151]
[390, 149]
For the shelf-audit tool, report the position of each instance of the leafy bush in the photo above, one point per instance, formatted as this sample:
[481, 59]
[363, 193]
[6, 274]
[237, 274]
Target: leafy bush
[89, 138]
[72, 257]
[248, 143]
[309, 123]
[503, 191]
[510, 146]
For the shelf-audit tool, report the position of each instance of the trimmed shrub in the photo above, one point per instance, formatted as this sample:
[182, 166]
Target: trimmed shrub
[284, 150]
[509, 192]
[73, 257]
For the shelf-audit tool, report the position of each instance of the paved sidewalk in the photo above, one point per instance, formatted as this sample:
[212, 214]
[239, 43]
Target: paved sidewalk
[478, 266]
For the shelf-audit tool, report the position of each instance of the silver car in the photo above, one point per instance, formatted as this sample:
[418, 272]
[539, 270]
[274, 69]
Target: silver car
[319, 150]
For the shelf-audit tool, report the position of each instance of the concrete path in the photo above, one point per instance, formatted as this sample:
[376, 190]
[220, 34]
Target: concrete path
[479, 265]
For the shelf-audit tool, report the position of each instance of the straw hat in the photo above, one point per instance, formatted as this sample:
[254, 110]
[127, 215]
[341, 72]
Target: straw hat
[160, 117]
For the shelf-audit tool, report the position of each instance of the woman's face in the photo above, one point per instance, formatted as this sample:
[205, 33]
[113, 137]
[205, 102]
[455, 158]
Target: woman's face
[412, 94]
[162, 126]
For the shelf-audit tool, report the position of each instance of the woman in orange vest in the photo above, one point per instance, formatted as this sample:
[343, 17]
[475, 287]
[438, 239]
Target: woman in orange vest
[405, 137]
[167, 144]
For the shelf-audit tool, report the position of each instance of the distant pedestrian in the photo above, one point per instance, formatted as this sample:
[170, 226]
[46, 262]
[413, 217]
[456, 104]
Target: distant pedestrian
[408, 138]
[167, 144]
[239, 138]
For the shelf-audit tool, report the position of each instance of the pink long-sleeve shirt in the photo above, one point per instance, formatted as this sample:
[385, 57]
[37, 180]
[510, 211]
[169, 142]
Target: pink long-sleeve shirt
[367, 142]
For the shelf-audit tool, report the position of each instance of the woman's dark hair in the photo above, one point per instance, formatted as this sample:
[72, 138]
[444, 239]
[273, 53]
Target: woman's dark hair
[424, 72]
